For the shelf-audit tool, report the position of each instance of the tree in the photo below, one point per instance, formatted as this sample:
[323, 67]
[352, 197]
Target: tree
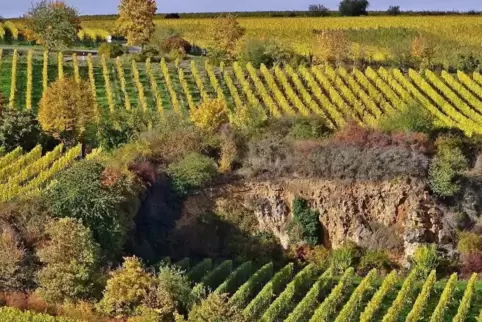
[126, 289]
[53, 24]
[225, 34]
[318, 10]
[136, 20]
[210, 115]
[424, 50]
[18, 128]
[394, 10]
[82, 192]
[12, 256]
[215, 308]
[71, 259]
[353, 8]
[67, 109]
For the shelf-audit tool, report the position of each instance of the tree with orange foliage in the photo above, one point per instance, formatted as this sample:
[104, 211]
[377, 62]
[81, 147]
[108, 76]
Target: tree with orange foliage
[52, 24]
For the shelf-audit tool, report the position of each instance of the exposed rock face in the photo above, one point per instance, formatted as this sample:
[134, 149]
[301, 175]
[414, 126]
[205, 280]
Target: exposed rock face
[347, 209]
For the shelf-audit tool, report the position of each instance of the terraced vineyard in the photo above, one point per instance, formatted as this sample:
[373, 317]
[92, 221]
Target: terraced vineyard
[23, 174]
[338, 94]
[296, 294]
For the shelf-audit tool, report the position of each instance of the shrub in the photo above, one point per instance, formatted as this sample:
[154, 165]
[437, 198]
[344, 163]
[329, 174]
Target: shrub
[210, 115]
[468, 63]
[344, 257]
[394, 10]
[318, 10]
[305, 128]
[111, 50]
[126, 289]
[12, 256]
[175, 43]
[18, 128]
[353, 7]
[192, 172]
[67, 109]
[81, 192]
[225, 34]
[173, 280]
[426, 259]
[413, 118]
[254, 51]
[384, 238]
[375, 259]
[446, 168]
[122, 126]
[248, 118]
[71, 260]
[215, 308]
[306, 222]
[472, 263]
[469, 243]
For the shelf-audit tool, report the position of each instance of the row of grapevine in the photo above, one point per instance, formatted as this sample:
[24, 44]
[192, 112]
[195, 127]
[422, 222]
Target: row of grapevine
[260, 88]
[442, 305]
[240, 275]
[374, 305]
[154, 87]
[422, 299]
[139, 86]
[466, 301]
[274, 287]
[122, 80]
[32, 172]
[19, 163]
[281, 304]
[254, 284]
[107, 84]
[10, 157]
[309, 303]
[290, 93]
[402, 297]
[326, 309]
[298, 84]
[348, 96]
[245, 85]
[170, 87]
[349, 309]
[278, 94]
[197, 272]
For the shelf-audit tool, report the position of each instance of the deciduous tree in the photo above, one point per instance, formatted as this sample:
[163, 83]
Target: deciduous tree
[67, 109]
[53, 24]
[136, 20]
[71, 259]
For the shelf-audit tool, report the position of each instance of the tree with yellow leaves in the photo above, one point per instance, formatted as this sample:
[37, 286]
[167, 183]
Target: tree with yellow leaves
[136, 20]
[210, 114]
[66, 109]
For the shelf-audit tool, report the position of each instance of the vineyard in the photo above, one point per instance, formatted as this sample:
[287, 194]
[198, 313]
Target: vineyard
[336, 94]
[296, 294]
[24, 174]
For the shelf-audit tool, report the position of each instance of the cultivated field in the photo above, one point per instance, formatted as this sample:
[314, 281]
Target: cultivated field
[337, 94]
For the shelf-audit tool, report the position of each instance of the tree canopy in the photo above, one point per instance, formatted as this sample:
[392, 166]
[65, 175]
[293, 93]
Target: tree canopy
[53, 24]
[136, 20]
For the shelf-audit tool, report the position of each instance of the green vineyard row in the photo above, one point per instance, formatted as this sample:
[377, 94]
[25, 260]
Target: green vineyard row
[296, 294]
[337, 94]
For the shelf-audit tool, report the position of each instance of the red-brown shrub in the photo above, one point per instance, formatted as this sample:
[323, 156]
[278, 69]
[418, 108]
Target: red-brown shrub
[471, 263]
[355, 135]
[176, 43]
[17, 300]
[145, 171]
